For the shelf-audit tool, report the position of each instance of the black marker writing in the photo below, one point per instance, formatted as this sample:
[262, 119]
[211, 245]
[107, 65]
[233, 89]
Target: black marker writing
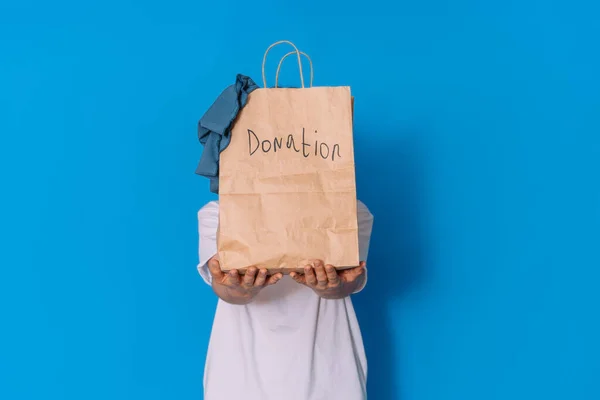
[321, 148]
[277, 143]
[290, 139]
[304, 145]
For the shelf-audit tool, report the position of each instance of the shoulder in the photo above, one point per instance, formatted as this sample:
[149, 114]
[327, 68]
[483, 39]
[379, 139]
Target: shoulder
[363, 211]
[209, 208]
[208, 215]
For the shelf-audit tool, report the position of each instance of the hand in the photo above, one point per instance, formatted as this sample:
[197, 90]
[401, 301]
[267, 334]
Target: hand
[235, 289]
[329, 283]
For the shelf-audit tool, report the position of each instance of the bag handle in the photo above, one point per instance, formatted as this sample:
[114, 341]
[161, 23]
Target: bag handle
[286, 56]
[265, 60]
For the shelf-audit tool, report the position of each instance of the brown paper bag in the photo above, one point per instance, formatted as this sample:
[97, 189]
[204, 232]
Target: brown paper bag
[287, 188]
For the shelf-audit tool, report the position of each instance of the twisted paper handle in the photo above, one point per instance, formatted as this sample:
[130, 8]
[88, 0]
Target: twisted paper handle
[286, 56]
[297, 53]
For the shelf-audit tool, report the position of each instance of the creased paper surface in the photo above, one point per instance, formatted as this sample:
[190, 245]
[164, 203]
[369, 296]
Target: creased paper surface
[287, 187]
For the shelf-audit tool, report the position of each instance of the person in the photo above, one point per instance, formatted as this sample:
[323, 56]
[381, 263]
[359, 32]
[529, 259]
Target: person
[292, 337]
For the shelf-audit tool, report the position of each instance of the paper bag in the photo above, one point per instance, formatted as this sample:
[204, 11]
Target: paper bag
[287, 187]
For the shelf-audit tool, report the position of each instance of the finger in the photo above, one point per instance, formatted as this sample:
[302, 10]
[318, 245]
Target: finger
[332, 275]
[273, 279]
[215, 269]
[321, 274]
[350, 275]
[309, 276]
[261, 278]
[233, 278]
[298, 278]
[249, 276]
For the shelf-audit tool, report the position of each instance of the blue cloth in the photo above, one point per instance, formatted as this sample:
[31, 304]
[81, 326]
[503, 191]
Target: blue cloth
[214, 128]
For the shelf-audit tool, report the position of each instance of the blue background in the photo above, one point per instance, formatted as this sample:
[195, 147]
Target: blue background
[477, 147]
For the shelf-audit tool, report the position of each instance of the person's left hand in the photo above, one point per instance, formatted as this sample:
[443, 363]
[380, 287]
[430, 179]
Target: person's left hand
[329, 283]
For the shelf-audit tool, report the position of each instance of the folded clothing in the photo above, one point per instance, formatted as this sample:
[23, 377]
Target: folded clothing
[214, 128]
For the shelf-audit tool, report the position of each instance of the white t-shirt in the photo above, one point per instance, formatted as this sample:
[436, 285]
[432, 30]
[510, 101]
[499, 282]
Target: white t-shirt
[288, 343]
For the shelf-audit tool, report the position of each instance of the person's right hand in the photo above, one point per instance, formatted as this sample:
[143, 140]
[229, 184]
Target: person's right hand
[236, 289]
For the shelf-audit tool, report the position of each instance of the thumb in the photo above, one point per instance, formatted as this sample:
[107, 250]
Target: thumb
[350, 275]
[215, 268]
